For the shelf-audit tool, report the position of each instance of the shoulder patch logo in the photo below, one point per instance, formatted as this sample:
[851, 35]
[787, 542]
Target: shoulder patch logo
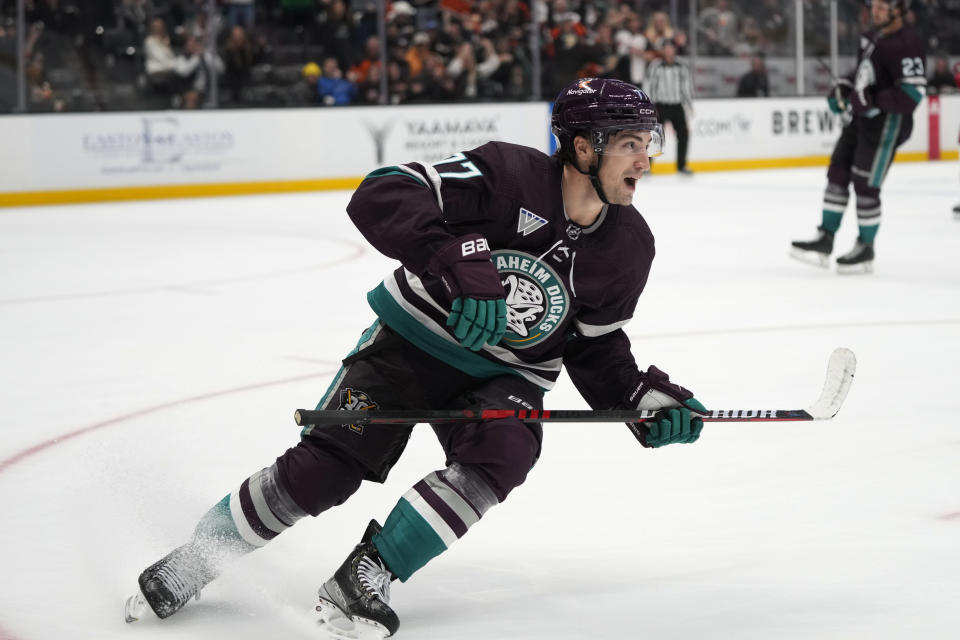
[529, 222]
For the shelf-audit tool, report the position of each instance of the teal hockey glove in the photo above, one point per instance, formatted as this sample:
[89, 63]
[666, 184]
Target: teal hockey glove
[674, 421]
[478, 311]
[839, 96]
[672, 426]
[478, 322]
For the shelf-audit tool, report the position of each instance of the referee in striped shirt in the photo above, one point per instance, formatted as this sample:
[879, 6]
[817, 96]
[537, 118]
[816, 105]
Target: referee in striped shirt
[668, 85]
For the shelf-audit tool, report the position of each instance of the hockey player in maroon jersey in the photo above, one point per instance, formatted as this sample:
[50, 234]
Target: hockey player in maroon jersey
[512, 265]
[877, 100]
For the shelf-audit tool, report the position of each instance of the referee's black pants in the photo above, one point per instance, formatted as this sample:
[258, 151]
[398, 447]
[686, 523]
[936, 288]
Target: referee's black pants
[675, 115]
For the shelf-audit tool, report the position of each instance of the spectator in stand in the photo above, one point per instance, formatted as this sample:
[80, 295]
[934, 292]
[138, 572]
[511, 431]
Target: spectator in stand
[517, 88]
[368, 91]
[417, 54]
[660, 31]
[443, 88]
[565, 50]
[41, 95]
[240, 13]
[305, 93]
[371, 58]
[166, 71]
[335, 31]
[718, 25]
[470, 74]
[332, 87]
[397, 82]
[501, 78]
[772, 18]
[754, 83]
[463, 69]
[132, 15]
[942, 80]
[633, 48]
[751, 40]
[238, 58]
[449, 37]
[201, 27]
[601, 54]
[418, 91]
[198, 69]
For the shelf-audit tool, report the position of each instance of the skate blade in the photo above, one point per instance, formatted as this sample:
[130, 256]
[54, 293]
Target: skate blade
[855, 269]
[135, 608]
[337, 625]
[815, 258]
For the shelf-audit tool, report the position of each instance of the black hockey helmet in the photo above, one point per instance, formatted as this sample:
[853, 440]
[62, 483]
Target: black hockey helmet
[597, 107]
[902, 5]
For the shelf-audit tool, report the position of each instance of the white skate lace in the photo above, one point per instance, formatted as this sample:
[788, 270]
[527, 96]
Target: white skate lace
[375, 578]
[179, 588]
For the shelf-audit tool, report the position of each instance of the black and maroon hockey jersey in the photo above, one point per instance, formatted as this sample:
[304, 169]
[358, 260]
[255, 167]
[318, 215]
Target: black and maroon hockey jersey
[569, 289]
[892, 68]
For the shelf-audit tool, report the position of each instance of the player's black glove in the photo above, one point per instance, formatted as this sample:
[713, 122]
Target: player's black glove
[675, 421]
[839, 96]
[478, 312]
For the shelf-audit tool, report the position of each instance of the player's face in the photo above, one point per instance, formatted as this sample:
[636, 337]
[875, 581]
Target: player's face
[625, 160]
[880, 12]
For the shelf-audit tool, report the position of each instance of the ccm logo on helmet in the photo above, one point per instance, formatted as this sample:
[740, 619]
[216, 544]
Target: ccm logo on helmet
[471, 247]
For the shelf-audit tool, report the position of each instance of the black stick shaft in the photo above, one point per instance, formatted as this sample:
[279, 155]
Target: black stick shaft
[306, 417]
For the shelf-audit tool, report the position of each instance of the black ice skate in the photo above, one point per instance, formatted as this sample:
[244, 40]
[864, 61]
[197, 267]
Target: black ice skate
[169, 583]
[354, 602]
[859, 260]
[817, 251]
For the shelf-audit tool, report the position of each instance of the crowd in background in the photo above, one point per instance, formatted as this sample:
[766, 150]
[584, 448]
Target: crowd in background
[125, 54]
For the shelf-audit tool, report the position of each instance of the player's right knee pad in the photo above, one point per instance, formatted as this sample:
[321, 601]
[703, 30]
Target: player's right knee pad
[838, 190]
[314, 476]
[838, 175]
[501, 451]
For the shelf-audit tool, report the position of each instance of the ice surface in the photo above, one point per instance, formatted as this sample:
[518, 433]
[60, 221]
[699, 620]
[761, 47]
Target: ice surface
[152, 354]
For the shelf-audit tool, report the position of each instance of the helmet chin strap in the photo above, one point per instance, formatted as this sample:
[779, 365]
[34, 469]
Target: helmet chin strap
[593, 172]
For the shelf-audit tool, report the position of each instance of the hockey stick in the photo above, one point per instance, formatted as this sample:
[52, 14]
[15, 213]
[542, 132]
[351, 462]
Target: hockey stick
[826, 67]
[840, 370]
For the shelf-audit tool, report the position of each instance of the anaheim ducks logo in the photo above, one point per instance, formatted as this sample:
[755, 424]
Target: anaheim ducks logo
[355, 400]
[537, 301]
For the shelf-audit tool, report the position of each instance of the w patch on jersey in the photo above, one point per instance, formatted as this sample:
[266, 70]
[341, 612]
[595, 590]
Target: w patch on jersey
[537, 301]
[355, 400]
[529, 222]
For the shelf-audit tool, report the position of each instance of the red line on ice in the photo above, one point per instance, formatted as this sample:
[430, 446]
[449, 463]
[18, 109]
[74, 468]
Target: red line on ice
[43, 446]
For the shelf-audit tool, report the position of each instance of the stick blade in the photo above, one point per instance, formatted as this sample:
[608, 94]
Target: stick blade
[840, 371]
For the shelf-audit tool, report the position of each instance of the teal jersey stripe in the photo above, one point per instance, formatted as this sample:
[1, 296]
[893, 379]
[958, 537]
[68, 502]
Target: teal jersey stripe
[394, 171]
[397, 318]
[884, 157]
[368, 336]
[913, 92]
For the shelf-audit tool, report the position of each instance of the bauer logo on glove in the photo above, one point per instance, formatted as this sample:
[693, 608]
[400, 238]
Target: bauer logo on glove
[675, 421]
